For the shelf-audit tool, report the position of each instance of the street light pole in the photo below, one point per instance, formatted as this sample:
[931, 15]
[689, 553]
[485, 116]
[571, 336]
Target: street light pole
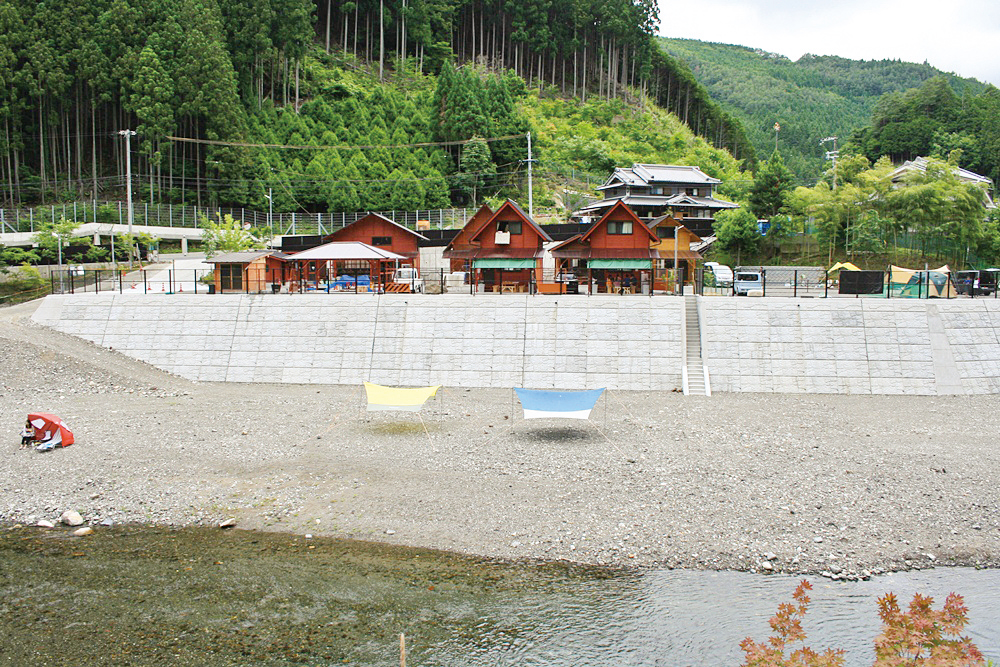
[677, 274]
[128, 134]
[62, 286]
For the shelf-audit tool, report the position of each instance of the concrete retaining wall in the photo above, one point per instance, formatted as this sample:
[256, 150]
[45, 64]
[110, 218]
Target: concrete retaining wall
[836, 345]
[855, 346]
[460, 341]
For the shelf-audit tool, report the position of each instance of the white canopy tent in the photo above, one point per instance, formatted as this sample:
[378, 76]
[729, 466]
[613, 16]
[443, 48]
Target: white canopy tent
[341, 252]
[346, 250]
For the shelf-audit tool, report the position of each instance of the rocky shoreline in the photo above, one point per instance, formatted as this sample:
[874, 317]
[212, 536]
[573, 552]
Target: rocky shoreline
[843, 486]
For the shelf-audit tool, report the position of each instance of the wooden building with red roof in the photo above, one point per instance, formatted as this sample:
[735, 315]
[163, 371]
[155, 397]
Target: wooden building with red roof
[381, 232]
[505, 252]
[616, 254]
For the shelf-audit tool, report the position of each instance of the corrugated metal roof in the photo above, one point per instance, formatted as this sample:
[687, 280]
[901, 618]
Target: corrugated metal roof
[243, 257]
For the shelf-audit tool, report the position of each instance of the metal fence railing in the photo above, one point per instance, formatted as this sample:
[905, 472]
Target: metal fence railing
[351, 277]
[177, 215]
[813, 282]
[357, 278]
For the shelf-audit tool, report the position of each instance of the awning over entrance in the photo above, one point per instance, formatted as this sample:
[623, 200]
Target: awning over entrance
[620, 264]
[503, 263]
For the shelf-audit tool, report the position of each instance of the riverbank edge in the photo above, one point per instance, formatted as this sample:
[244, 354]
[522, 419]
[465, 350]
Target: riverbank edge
[863, 573]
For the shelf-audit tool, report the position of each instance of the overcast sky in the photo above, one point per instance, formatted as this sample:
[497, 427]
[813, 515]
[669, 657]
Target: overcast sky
[961, 36]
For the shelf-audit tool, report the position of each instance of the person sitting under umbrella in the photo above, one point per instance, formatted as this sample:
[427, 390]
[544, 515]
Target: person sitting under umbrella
[27, 435]
[50, 431]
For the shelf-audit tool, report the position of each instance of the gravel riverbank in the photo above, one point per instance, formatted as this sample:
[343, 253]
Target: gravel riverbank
[845, 485]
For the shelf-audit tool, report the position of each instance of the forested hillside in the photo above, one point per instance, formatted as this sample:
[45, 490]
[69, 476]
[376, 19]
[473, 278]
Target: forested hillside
[316, 104]
[812, 98]
[931, 120]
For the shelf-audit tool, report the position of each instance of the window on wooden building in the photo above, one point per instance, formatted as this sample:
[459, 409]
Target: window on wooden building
[382, 240]
[619, 227]
[509, 226]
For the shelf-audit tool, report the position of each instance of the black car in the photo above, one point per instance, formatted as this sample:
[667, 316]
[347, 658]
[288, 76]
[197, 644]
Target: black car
[976, 282]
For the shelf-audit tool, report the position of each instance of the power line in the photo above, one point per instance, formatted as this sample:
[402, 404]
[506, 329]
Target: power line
[424, 144]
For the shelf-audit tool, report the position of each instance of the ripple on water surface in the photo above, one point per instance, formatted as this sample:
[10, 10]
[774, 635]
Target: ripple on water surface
[210, 598]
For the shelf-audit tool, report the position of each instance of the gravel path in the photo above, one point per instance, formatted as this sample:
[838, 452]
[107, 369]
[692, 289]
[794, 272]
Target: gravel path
[845, 485]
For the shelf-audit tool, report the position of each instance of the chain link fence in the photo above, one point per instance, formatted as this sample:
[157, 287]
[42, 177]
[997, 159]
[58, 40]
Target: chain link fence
[175, 215]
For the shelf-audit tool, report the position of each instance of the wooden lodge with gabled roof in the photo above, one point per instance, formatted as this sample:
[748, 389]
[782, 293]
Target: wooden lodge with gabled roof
[616, 254]
[463, 240]
[505, 252]
[380, 232]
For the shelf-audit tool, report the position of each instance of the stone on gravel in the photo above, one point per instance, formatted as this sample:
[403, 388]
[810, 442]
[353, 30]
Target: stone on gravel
[71, 518]
[797, 475]
[80, 532]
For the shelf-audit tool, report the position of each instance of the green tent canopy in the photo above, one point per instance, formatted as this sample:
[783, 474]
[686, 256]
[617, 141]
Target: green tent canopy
[621, 264]
[503, 263]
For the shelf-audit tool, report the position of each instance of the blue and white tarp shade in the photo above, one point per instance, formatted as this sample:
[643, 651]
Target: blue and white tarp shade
[539, 404]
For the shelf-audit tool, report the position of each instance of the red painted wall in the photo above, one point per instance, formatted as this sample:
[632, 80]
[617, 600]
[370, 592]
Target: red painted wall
[528, 238]
[370, 226]
[600, 238]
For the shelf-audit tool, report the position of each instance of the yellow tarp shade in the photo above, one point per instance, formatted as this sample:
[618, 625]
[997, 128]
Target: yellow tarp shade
[394, 398]
[843, 265]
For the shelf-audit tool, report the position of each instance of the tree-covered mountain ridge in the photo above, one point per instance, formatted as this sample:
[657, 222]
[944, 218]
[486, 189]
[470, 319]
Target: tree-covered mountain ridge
[811, 98]
[239, 79]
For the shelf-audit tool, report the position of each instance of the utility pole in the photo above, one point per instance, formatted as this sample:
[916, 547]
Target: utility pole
[531, 212]
[128, 134]
[270, 211]
[832, 155]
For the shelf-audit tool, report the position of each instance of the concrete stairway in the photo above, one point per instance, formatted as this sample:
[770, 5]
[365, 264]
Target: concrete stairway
[694, 374]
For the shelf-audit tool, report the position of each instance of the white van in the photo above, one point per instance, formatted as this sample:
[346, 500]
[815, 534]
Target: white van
[723, 274]
[748, 281]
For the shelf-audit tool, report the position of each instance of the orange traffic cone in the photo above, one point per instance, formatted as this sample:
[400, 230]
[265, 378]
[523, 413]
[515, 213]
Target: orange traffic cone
[163, 287]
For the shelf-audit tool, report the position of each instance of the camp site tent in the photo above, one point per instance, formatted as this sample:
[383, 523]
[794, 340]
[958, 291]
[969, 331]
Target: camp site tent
[909, 283]
[50, 431]
[846, 266]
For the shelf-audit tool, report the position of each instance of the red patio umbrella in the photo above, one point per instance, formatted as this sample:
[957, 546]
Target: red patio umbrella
[50, 430]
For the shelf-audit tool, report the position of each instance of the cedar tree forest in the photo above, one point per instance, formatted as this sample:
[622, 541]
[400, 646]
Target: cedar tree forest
[235, 99]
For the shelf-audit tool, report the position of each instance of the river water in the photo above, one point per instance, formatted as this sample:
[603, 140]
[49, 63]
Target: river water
[148, 596]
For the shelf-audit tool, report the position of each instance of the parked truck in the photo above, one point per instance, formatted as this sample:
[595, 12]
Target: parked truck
[410, 276]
